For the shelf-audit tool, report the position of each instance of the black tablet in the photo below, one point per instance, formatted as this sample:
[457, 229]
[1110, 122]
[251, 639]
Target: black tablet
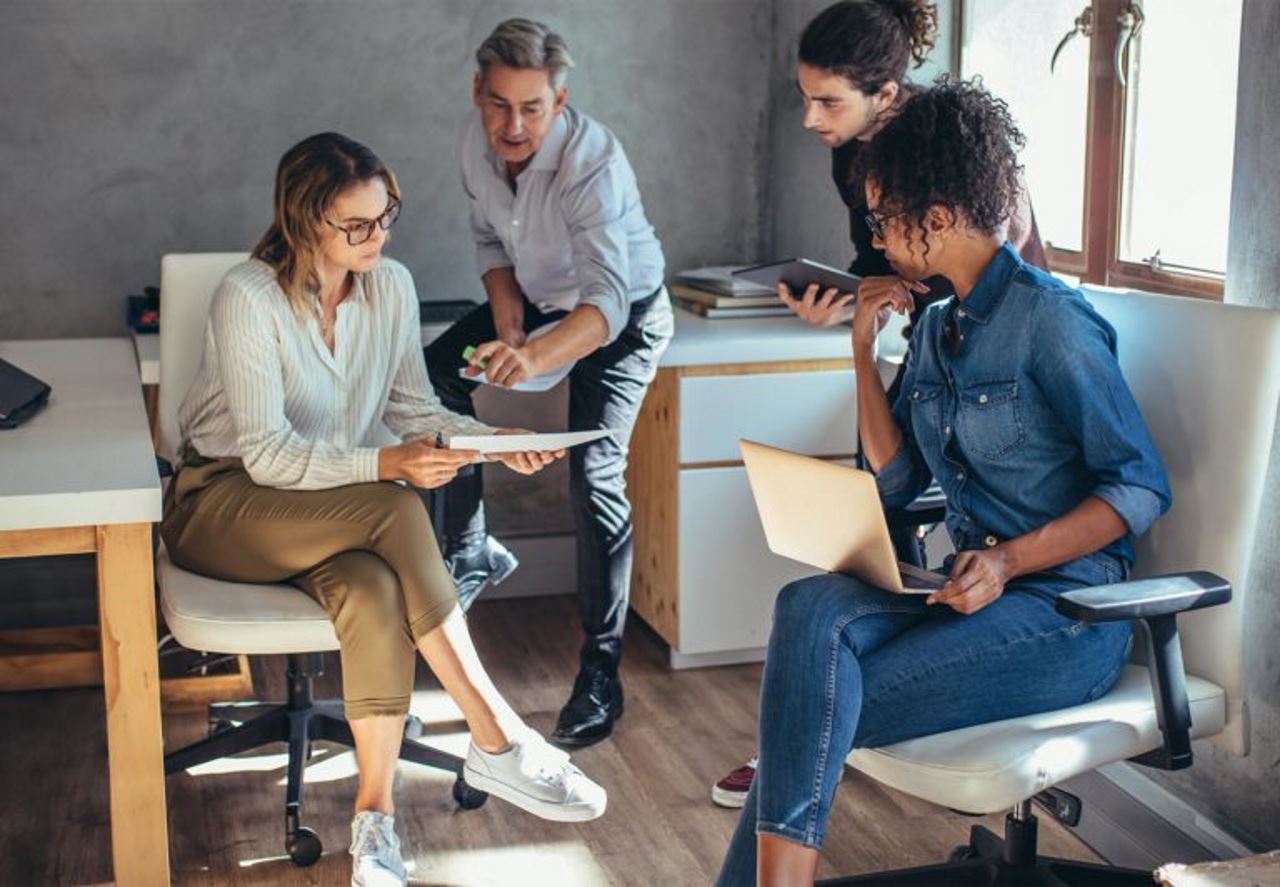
[799, 274]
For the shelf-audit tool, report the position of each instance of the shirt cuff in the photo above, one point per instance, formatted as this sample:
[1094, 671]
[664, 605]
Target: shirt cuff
[616, 311]
[898, 481]
[490, 256]
[364, 465]
[1137, 506]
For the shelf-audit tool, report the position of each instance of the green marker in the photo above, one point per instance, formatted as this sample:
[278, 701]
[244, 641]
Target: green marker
[470, 352]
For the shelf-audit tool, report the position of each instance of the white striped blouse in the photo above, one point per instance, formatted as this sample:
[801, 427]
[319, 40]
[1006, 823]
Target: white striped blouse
[270, 393]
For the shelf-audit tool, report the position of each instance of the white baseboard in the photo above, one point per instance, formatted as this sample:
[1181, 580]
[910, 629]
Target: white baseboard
[680, 660]
[1132, 821]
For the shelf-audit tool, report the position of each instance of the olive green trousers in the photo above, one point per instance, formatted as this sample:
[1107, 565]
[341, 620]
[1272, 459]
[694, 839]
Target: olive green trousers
[365, 552]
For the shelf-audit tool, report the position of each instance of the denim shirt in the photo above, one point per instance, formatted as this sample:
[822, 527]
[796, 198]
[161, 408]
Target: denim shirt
[1024, 418]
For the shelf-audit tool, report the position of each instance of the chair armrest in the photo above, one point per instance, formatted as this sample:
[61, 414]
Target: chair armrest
[1145, 598]
[1155, 603]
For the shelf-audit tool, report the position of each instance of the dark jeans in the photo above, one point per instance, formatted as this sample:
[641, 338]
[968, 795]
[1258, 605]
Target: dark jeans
[606, 389]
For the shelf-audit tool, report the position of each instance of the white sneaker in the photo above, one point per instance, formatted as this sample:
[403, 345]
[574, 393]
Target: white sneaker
[537, 778]
[375, 851]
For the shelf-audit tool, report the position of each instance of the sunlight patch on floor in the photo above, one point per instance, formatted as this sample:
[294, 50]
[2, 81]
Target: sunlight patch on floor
[565, 864]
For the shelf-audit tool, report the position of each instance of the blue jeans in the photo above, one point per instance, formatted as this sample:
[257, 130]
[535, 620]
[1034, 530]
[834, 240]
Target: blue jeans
[851, 666]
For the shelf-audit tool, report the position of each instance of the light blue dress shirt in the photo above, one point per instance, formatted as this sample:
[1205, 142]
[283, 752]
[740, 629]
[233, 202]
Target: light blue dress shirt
[573, 229]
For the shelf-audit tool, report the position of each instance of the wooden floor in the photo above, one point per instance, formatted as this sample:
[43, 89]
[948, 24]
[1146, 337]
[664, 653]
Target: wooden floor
[681, 731]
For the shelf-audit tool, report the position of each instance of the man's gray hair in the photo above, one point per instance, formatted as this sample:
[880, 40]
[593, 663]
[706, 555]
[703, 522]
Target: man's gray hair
[523, 43]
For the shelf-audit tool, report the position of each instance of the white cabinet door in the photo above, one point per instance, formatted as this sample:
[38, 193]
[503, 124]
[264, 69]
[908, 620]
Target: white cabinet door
[728, 576]
[813, 413]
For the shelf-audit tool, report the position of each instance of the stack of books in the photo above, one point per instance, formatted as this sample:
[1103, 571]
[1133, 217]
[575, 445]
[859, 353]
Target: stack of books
[713, 292]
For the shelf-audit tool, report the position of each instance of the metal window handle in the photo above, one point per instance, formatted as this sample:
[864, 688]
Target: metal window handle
[1083, 28]
[1130, 24]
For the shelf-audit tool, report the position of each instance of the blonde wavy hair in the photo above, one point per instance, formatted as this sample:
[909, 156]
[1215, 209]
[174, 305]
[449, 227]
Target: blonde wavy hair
[309, 178]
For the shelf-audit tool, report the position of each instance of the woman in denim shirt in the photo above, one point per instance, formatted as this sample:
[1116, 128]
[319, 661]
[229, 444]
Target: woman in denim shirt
[1014, 400]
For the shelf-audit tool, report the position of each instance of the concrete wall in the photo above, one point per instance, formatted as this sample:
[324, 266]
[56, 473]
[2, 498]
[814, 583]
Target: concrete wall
[805, 215]
[138, 127]
[1245, 792]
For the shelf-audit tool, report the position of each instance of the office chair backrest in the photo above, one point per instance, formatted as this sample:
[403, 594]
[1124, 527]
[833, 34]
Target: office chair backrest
[187, 284]
[1207, 377]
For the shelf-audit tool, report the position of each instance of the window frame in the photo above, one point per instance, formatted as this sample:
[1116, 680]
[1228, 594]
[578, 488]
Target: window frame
[1099, 262]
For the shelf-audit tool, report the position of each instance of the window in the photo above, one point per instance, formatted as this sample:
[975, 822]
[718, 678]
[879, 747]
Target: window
[1129, 112]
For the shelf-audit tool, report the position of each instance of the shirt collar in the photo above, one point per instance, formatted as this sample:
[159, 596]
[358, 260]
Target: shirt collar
[548, 156]
[986, 294]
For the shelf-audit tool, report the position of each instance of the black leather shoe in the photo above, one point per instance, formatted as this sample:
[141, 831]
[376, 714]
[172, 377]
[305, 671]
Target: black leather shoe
[595, 704]
[475, 567]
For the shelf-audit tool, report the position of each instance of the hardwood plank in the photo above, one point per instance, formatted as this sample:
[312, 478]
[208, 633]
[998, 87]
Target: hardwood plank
[54, 540]
[69, 656]
[131, 681]
[652, 486]
[682, 730]
[48, 671]
[196, 691]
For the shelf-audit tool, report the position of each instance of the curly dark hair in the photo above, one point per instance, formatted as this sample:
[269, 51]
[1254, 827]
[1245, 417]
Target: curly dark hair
[954, 145]
[870, 42]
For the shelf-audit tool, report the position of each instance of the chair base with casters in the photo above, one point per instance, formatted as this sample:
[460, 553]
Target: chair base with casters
[989, 859]
[228, 617]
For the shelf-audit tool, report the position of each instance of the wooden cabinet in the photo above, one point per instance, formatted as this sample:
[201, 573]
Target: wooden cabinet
[704, 578]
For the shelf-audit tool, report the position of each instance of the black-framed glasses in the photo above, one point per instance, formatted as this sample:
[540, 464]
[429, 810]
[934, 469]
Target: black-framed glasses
[875, 222]
[360, 232]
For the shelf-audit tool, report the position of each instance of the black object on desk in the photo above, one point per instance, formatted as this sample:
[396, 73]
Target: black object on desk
[445, 310]
[21, 395]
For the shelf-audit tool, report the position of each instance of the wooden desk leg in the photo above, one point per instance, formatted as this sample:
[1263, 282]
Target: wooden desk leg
[131, 679]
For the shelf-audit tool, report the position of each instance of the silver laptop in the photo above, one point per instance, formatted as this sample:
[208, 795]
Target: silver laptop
[828, 516]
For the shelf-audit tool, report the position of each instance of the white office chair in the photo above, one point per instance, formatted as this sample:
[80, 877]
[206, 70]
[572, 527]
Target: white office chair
[226, 617]
[1207, 377]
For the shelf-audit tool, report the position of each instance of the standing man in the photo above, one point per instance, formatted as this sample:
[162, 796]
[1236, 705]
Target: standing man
[561, 236]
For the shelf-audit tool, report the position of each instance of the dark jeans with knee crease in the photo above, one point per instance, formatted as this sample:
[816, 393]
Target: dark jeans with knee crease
[606, 389]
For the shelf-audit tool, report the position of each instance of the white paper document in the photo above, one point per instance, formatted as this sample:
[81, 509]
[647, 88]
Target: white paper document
[545, 382]
[517, 443]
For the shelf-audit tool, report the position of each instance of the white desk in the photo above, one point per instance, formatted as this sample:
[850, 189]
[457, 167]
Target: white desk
[80, 478]
[704, 578]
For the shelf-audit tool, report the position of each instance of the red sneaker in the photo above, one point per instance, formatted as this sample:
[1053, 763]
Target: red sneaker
[732, 790]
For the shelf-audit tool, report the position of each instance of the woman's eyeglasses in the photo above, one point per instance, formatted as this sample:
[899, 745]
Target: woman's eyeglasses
[360, 232]
[875, 222]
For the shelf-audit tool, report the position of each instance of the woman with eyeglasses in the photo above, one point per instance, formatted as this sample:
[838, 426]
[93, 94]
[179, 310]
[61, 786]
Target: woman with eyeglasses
[1013, 398]
[851, 72]
[311, 348]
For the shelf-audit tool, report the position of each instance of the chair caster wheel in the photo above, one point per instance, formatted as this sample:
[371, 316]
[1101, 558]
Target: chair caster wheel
[963, 853]
[468, 798]
[413, 727]
[304, 847]
[219, 725]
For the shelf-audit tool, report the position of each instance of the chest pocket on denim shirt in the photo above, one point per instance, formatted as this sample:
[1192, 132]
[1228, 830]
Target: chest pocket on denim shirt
[988, 420]
[926, 416]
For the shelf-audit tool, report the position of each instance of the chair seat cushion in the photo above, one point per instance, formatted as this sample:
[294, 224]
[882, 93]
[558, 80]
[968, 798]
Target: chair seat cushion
[992, 767]
[233, 617]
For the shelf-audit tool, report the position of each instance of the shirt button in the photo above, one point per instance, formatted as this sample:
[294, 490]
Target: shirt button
[960, 313]
[947, 431]
[915, 395]
[982, 398]
[959, 475]
[990, 541]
